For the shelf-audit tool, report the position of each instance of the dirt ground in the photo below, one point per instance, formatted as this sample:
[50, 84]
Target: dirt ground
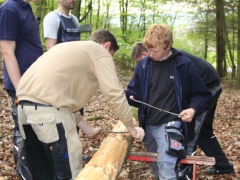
[226, 125]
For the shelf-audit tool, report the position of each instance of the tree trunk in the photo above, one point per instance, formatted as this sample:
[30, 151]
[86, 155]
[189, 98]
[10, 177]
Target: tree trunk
[39, 10]
[107, 162]
[220, 40]
[237, 82]
[123, 8]
[87, 12]
[206, 37]
[107, 18]
[77, 9]
[97, 24]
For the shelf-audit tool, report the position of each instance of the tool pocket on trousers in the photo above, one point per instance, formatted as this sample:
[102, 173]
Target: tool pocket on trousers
[175, 139]
[44, 126]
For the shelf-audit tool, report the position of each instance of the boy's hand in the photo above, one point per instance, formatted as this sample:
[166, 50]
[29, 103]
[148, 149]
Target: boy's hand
[137, 133]
[187, 114]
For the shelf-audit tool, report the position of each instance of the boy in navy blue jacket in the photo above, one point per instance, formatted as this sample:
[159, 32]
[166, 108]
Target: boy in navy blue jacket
[204, 135]
[167, 80]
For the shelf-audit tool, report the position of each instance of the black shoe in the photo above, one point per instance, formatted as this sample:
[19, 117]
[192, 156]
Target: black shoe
[214, 170]
[85, 158]
[185, 172]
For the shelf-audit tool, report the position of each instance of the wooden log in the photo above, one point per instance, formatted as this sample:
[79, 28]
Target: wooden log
[107, 162]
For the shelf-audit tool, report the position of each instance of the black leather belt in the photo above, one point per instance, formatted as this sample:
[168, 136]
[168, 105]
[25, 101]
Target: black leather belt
[29, 103]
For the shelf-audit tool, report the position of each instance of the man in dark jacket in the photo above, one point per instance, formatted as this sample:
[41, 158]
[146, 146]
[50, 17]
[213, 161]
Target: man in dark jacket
[167, 80]
[204, 136]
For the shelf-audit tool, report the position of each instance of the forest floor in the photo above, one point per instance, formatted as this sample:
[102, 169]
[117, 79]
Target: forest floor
[98, 113]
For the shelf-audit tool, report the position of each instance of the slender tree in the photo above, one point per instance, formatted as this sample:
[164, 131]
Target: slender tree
[238, 50]
[77, 9]
[107, 17]
[97, 23]
[207, 34]
[40, 10]
[85, 15]
[123, 8]
[220, 38]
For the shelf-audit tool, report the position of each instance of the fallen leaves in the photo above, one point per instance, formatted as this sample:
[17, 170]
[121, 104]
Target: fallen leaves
[226, 128]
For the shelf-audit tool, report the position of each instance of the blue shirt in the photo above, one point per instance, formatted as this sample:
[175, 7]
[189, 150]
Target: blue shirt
[18, 24]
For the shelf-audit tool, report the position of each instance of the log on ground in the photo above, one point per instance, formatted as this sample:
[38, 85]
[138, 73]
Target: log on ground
[107, 162]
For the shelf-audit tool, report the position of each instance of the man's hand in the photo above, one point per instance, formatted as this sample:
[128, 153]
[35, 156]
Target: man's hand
[136, 132]
[87, 129]
[187, 114]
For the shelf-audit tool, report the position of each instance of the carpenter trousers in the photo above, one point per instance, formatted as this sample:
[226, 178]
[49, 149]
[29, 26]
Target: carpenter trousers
[54, 150]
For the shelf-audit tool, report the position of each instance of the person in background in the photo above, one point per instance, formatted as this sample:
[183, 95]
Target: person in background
[138, 51]
[62, 26]
[21, 46]
[52, 91]
[204, 136]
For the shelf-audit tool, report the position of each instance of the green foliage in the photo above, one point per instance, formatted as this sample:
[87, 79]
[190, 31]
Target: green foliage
[41, 9]
[134, 111]
[123, 57]
[140, 14]
[193, 43]
[95, 118]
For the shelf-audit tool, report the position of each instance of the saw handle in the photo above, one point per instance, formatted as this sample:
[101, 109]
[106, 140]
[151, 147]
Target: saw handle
[7, 173]
[132, 97]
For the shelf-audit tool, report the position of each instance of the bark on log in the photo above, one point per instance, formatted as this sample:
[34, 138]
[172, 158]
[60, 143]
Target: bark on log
[107, 162]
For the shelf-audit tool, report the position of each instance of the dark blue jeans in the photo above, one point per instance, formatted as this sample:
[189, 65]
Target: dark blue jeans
[17, 138]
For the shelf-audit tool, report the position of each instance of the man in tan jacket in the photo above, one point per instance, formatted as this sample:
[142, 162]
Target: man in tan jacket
[52, 91]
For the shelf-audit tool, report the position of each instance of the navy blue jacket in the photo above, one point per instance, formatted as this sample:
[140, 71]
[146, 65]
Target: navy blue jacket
[189, 88]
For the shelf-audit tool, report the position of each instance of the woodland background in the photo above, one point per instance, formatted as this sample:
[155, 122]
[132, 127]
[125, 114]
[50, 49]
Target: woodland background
[207, 28]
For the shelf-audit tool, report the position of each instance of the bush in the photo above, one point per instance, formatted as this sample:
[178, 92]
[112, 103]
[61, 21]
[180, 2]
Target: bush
[123, 58]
